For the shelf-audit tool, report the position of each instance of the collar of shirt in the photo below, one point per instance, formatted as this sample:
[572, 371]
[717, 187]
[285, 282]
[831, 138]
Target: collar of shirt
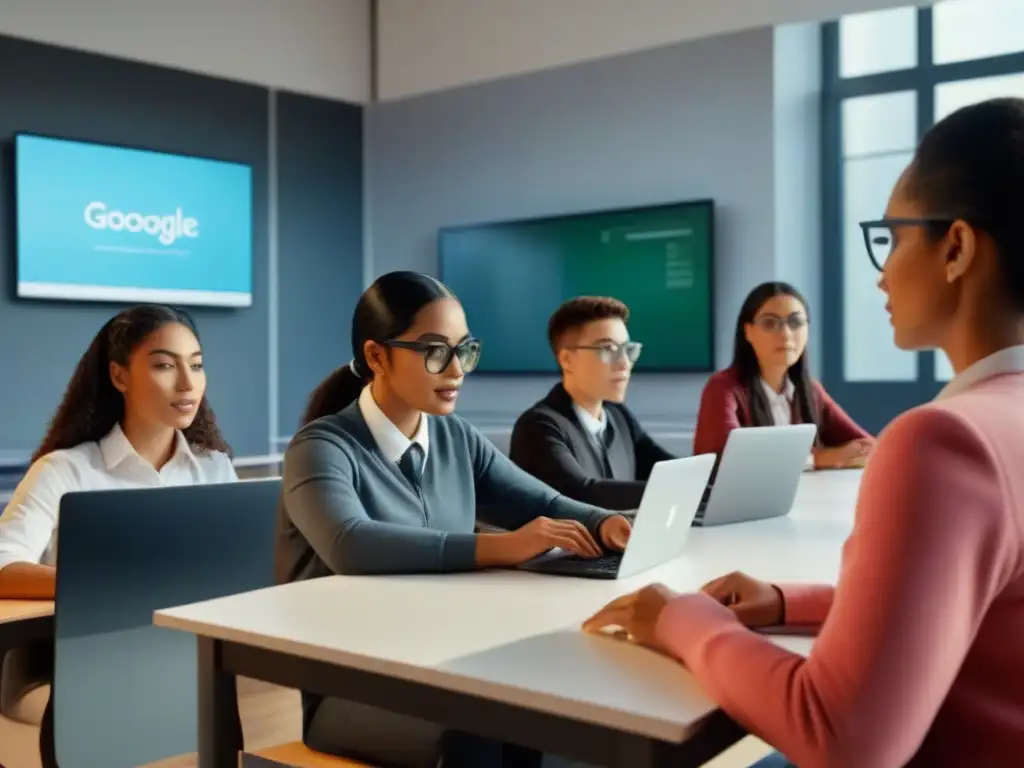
[1009, 360]
[595, 427]
[116, 449]
[389, 438]
[788, 390]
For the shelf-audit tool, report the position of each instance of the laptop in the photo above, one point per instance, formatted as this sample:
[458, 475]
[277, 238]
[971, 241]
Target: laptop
[662, 522]
[758, 474]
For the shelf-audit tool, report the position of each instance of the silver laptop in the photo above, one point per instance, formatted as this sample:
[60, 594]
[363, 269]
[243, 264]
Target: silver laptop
[758, 474]
[671, 497]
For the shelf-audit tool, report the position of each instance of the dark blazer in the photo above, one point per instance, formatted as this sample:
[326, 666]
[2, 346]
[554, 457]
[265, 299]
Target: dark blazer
[550, 443]
[724, 406]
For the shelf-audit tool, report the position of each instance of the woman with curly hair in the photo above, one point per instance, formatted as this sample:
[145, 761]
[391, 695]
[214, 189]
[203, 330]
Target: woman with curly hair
[134, 415]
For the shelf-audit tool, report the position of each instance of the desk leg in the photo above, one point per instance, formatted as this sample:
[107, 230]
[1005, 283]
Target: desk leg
[220, 727]
[715, 735]
[47, 738]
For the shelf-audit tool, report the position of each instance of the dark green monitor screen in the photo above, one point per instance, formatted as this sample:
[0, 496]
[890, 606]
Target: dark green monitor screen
[510, 278]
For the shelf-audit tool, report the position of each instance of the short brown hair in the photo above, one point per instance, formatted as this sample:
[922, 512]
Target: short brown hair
[575, 313]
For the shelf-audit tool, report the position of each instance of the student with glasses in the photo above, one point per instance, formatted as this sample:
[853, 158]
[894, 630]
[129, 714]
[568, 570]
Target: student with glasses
[384, 479]
[769, 383]
[919, 656]
[580, 439]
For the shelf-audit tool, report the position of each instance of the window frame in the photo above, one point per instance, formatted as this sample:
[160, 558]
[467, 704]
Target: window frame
[922, 79]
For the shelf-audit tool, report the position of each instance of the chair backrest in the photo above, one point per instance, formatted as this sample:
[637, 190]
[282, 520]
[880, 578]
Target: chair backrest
[124, 691]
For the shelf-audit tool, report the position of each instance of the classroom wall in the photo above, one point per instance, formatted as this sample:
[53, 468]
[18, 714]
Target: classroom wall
[431, 46]
[796, 72]
[688, 121]
[306, 155]
[318, 47]
[320, 243]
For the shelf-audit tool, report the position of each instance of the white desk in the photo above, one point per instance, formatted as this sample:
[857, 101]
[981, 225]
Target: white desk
[500, 653]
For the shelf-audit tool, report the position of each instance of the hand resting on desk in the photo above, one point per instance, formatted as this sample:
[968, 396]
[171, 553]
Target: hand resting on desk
[851, 455]
[635, 617]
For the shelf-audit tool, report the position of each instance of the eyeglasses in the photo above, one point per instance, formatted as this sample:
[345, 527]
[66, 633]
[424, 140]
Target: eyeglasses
[437, 355]
[611, 353]
[880, 239]
[774, 323]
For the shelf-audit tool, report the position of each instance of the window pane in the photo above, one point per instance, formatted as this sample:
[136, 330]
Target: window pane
[878, 41]
[976, 29]
[943, 368]
[949, 97]
[879, 124]
[869, 353]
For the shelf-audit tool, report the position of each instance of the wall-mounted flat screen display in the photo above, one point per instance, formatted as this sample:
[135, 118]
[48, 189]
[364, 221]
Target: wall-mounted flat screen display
[104, 223]
[511, 276]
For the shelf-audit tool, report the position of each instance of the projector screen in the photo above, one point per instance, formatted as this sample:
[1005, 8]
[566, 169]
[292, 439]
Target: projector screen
[510, 278]
[104, 223]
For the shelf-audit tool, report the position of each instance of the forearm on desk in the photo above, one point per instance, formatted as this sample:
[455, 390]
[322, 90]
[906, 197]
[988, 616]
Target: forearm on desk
[28, 581]
[805, 604]
[367, 547]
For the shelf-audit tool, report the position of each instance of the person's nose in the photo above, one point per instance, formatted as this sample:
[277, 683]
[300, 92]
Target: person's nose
[455, 367]
[185, 379]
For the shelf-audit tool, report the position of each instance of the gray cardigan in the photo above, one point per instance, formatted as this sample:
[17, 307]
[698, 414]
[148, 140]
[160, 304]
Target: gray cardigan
[346, 509]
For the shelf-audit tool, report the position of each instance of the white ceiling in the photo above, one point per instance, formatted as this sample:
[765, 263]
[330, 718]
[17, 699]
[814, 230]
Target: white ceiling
[319, 47]
[322, 47]
[429, 45]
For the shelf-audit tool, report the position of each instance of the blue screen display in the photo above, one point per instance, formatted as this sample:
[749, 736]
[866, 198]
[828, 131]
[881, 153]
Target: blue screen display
[104, 223]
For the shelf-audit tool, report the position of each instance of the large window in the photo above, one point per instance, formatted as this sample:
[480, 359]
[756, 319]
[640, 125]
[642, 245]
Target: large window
[888, 76]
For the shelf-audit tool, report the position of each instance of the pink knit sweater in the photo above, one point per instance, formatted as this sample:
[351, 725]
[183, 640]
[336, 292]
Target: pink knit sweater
[920, 655]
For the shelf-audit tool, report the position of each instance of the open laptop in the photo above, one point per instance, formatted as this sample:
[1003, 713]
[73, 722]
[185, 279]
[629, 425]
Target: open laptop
[758, 474]
[670, 501]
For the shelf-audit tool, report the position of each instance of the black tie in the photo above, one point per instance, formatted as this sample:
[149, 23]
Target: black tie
[411, 464]
[604, 442]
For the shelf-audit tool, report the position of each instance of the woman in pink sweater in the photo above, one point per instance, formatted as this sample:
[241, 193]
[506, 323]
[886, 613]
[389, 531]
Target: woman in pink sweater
[920, 652]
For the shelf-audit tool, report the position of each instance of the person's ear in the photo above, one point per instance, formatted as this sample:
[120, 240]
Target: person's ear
[119, 377]
[565, 360]
[748, 328]
[962, 248]
[375, 355]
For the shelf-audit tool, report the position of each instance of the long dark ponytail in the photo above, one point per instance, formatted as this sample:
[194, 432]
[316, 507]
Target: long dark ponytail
[744, 361]
[385, 310]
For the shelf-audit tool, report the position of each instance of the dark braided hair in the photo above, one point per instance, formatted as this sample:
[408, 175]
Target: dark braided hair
[92, 406]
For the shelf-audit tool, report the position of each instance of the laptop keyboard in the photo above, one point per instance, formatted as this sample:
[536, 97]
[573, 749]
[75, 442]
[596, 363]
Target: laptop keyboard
[608, 564]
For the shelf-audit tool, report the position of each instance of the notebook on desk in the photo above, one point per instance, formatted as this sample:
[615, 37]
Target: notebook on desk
[662, 522]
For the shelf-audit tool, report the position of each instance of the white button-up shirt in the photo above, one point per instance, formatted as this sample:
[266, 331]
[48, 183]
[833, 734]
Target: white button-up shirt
[389, 438]
[780, 403]
[595, 427]
[28, 526]
[1007, 360]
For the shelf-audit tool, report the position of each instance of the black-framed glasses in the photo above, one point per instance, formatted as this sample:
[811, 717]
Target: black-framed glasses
[438, 355]
[773, 323]
[880, 240]
[611, 352]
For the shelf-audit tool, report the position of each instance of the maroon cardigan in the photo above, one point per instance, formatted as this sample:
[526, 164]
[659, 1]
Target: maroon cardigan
[724, 406]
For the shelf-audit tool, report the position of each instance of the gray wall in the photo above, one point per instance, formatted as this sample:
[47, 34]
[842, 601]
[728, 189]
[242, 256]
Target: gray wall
[319, 257]
[682, 122]
[320, 243]
[797, 172]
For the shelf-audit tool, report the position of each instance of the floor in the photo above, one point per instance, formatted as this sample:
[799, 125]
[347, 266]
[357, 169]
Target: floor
[271, 715]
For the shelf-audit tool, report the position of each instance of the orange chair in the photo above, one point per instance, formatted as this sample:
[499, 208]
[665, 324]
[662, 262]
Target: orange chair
[298, 755]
